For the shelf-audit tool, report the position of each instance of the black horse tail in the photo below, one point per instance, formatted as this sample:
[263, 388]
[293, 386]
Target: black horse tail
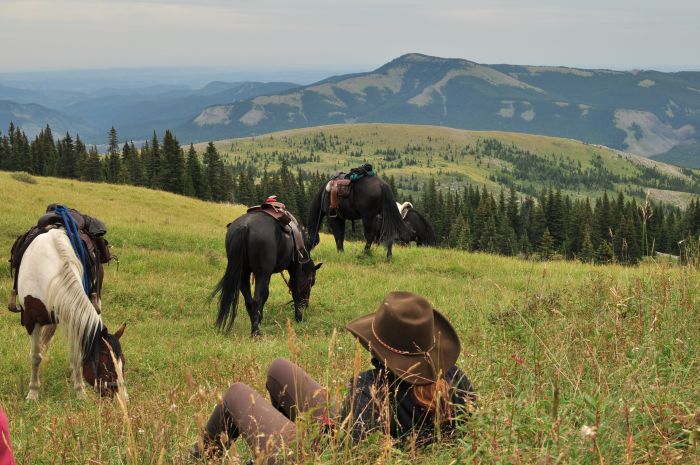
[313, 225]
[230, 284]
[393, 226]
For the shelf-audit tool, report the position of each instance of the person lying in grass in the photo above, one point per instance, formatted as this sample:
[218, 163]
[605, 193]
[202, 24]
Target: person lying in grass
[413, 390]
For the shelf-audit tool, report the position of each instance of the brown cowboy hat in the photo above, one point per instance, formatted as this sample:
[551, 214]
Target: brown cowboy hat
[409, 336]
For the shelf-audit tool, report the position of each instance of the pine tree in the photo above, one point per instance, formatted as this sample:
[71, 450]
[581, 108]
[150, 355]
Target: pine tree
[547, 246]
[587, 253]
[173, 167]
[194, 173]
[92, 170]
[214, 174]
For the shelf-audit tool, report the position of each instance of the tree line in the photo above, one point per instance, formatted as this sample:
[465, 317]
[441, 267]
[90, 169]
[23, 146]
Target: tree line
[548, 224]
[157, 164]
[604, 230]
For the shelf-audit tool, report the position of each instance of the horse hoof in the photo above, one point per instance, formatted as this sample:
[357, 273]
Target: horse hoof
[33, 395]
[256, 334]
[298, 317]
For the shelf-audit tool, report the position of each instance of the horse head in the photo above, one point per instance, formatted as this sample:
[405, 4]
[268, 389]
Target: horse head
[99, 369]
[301, 284]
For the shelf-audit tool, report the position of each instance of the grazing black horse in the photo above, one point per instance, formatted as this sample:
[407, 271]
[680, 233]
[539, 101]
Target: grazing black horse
[256, 243]
[369, 197]
[422, 231]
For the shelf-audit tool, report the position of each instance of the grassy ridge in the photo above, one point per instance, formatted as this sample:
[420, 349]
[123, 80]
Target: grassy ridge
[551, 347]
[437, 152]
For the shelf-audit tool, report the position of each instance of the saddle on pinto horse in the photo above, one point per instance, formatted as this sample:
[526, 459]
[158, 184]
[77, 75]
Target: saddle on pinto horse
[91, 232]
[288, 222]
[341, 185]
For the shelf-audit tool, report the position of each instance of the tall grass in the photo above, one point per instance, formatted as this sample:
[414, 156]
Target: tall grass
[572, 363]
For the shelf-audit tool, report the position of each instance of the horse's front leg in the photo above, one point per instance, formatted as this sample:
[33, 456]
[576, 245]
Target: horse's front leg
[76, 365]
[35, 357]
[337, 225]
[262, 291]
[368, 228]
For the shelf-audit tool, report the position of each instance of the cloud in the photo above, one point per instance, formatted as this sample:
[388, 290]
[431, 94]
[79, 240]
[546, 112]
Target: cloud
[279, 33]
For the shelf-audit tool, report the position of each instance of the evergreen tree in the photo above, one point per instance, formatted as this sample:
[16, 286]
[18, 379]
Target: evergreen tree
[194, 174]
[587, 253]
[173, 167]
[547, 245]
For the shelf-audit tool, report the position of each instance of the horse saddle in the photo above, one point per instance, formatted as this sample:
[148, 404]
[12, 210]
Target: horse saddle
[404, 208]
[289, 225]
[91, 232]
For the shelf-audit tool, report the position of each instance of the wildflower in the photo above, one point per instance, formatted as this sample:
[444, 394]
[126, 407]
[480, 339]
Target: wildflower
[589, 432]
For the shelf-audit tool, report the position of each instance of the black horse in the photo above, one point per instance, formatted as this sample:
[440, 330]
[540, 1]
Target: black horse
[422, 231]
[257, 244]
[369, 197]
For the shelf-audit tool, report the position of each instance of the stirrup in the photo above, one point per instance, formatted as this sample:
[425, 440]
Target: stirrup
[333, 213]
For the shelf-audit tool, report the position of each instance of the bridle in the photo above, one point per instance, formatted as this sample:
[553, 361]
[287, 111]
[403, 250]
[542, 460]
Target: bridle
[306, 286]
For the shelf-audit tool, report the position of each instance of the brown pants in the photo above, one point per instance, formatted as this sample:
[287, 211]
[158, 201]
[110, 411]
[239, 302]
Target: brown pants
[268, 426]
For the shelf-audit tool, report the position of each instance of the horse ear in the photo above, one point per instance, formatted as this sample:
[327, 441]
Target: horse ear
[120, 332]
[318, 266]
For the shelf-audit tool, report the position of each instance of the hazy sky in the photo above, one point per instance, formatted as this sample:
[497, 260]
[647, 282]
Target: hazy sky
[346, 35]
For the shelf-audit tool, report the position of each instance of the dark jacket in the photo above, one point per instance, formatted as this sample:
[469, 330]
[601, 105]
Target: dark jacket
[367, 409]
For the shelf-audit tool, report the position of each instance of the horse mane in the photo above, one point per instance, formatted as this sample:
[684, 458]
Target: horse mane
[67, 298]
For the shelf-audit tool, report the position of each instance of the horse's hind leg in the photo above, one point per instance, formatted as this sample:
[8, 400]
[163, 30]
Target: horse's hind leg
[35, 356]
[262, 291]
[247, 296]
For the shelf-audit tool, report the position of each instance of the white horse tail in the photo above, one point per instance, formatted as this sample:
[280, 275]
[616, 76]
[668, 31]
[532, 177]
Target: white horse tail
[67, 298]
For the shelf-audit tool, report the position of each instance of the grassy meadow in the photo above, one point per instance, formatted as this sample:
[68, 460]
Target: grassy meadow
[572, 363]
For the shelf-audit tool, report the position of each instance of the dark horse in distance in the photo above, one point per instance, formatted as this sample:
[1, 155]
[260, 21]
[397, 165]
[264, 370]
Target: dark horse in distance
[421, 231]
[258, 244]
[370, 196]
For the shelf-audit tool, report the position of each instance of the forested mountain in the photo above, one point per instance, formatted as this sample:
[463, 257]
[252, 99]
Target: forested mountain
[644, 112]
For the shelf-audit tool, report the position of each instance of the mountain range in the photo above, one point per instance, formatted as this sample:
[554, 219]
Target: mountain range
[135, 112]
[644, 112]
[649, 113]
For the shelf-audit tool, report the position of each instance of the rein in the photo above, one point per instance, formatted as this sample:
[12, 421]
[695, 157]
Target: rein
[289, 288]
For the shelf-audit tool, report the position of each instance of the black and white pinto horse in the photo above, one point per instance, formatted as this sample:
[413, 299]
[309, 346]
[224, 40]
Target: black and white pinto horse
[370, 196]
[256, 245]
[51, 293]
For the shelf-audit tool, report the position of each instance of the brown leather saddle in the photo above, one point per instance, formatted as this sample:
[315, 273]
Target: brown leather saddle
[289, 225]
[339, 186]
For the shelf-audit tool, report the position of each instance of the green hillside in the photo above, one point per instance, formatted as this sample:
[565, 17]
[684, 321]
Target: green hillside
[551, 347]
[455, 157]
